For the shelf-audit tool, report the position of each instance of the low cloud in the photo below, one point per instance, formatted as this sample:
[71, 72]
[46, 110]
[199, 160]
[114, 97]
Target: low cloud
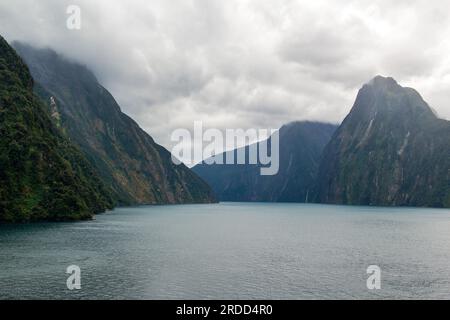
[243, 63]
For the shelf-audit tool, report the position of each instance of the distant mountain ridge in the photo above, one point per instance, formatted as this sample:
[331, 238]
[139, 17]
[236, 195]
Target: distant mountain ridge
[391, 150]
[138, 170]
[301, 144]
[73, 153]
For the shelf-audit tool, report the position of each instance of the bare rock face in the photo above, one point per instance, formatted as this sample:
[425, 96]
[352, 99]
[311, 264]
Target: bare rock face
[390, 150]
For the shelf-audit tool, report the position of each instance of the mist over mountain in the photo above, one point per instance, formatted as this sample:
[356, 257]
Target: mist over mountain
[301, 145]
[72, 153]
[390, 150]
[43, 176]
[138, 170]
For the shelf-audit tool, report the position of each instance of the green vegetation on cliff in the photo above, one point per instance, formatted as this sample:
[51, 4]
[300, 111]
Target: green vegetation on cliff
[391, 150]
[42, 175]
[128, 160]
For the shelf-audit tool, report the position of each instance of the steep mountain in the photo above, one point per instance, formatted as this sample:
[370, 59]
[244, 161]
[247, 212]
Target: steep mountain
[300, 146]
[390, 150]
[42, 175]
[138, 170]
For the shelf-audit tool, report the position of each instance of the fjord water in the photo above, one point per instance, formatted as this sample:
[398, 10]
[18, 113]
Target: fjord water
[232, 251]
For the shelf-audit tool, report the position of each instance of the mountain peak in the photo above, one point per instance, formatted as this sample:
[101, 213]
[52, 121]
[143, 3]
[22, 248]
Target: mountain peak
[388, 151]
[383, 82]
[384, 94]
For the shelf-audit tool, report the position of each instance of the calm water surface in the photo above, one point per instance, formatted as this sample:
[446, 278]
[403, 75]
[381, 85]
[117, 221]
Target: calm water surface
[232, 251]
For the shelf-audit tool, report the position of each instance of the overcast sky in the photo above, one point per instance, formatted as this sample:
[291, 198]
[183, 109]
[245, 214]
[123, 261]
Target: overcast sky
[243, 63]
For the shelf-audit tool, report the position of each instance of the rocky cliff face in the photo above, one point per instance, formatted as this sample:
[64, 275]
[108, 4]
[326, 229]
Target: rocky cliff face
[43, 176]
[138, 170]
[301, 145]
[390, 150]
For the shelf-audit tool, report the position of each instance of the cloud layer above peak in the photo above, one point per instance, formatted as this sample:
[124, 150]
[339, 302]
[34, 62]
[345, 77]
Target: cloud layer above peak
[243, 63]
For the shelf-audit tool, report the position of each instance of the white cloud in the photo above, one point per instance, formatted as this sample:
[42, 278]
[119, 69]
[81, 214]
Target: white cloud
[243, 63]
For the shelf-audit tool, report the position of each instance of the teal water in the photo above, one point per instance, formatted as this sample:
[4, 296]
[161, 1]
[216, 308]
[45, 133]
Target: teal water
[232, 251]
